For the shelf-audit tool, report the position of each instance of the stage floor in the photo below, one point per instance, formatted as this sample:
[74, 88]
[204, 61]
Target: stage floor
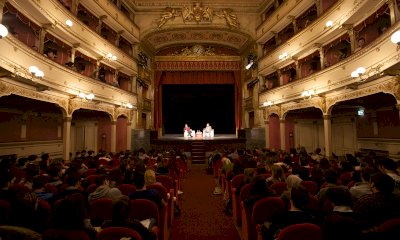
[180, 137]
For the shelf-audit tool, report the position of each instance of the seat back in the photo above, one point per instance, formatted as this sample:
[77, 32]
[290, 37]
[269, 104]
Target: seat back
[303, 231]
[278, 188]
[116, 233]
[162, 191]
[267, 209]
[90, 172]
[166, 181]
[100, 210]
[126, 189]
[237, 181]
[346, 178]
[55, 234]
[390, 227]
[91, 188]
[142, 209]
[4, 212]
[91, 179]
[311, 187]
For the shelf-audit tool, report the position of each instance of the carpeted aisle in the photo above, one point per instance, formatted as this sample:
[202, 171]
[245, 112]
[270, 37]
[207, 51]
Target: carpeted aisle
[202, 214]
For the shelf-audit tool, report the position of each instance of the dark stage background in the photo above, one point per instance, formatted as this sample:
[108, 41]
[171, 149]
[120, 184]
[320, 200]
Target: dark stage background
[197, 105]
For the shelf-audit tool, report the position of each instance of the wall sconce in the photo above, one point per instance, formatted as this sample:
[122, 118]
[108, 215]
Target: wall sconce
[111, 57]
[89, 96]
[267, 104]
[127, 105]
[283, 56]
[395, 38]
[69, 23]
[36, 72]
[307, 93]
[251, 61]
[3, 31]
[329, 24]
[359, 72]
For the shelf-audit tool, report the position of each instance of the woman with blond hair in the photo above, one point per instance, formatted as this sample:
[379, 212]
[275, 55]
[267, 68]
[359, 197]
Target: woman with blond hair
[150, 177]
[278, 175]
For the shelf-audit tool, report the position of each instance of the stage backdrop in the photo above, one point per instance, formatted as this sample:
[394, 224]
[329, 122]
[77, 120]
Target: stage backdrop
[197, 105]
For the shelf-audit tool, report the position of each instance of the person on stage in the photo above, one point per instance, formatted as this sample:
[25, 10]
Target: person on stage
[208, 128]
[187, 130]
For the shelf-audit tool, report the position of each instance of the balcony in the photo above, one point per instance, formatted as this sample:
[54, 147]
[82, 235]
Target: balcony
[57, 78]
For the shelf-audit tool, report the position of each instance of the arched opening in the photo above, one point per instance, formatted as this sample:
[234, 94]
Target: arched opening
[30, 126]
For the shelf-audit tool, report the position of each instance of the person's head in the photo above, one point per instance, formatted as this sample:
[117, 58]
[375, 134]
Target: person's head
[366, 174]
[317, 151]
[387, 165]
[299, 197]
[69, 213]
[339, 196]
[38, 183]
[249, 174]
[120, 210]
[102, 179]
[331, 176]
[361, 42]
[5, 179]
[382, 183]
[277, 172]
[150, 177]
[259, 185]
[293, 181]
[138, 180]
[73, 179]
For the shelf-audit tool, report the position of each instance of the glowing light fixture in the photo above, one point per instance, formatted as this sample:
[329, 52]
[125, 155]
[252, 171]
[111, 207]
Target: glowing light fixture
[35, 71]
[267, 103]
[69, 23]
[111, 57]
[248, 66]
[307, 93]
[329, 24]
[359, 72]
[283, 56]
[90, 96]
[395, 38]
[3, 31]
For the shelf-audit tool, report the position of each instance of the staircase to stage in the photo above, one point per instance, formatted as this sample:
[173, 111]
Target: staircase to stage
[198, 152]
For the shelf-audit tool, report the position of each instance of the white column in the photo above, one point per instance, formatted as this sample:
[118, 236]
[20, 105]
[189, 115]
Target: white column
[266, 134]
[66, 138]
[282, 131]
[113, 136]
[327, 135]
[129, 136]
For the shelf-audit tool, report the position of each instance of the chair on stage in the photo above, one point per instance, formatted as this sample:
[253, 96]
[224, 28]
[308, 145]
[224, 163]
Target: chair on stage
[208, 134]
[188, 134]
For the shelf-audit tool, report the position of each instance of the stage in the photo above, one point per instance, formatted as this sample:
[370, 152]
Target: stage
[177, 141]
[167, 137]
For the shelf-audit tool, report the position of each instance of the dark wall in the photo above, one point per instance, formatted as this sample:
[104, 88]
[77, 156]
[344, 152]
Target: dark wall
[197, 105]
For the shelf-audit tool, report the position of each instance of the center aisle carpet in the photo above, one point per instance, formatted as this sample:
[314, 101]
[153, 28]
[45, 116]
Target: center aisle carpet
[202, 216]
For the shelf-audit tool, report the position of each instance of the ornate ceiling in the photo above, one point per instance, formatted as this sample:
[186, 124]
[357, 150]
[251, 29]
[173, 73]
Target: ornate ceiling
[168, 23]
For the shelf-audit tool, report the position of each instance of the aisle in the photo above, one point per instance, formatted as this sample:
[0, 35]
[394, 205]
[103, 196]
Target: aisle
[202, 216]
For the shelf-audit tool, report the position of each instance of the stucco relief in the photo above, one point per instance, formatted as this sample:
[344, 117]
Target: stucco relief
[391, 86]
[123, 112]
[75, 104]
[160, 38]
[317, 102]
[274, 110]
[8, 89]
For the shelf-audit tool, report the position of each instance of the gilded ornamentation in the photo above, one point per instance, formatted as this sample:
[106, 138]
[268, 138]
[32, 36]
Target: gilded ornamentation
[391, 86]
[230, 18]
[197, 13]
[8, 89]
[75, 104]
[316, 102]
[196, 50]
[168, 14]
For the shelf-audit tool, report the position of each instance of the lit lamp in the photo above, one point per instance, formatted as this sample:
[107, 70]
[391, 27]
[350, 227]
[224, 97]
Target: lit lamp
[248, 66]
[307, 93]
[69, 23]
[3, 31]
[267, 104]
[395, 38]
[359, 72]
[35, 71]
[329, 24]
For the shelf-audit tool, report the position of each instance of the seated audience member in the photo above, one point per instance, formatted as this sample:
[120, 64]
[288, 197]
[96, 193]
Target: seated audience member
[278, 175]
[331, 178]
[73, 185]
[143, 193]
[299, 198]
[259, 189]
[71, 214]
[388, 166]
[362, 187]
[150, 177]
[316, 156]
[373, 209]
[104, 190]
[55, 172]
[38, 187]
[120, 218]
[5, 183]
[340, 223]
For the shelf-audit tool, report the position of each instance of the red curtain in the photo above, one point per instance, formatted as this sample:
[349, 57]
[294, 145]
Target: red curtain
[196, 77]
